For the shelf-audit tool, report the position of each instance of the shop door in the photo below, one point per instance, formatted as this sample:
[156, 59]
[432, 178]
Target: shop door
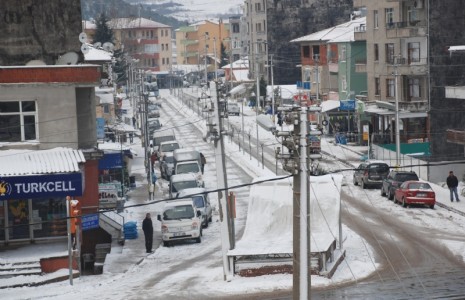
[18, 219]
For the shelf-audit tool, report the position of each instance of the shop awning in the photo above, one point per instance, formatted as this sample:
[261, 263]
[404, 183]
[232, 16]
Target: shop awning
[29, 162]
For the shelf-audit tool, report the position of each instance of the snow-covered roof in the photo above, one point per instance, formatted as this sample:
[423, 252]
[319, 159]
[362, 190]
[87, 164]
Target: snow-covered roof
[340, 33]
[128, 23]
[96, 54]
[330, 105]
[241, 75]
[238, 64]
[29, 162]
[105, 98]
[456, 48]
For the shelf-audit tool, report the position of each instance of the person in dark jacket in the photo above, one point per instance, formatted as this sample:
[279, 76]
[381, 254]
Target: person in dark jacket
[147, 227]
[452, 184]
[203, 161]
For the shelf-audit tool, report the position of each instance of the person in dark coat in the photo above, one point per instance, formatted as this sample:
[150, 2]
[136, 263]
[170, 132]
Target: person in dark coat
[203, 161]
[147, 227]
[452, 184]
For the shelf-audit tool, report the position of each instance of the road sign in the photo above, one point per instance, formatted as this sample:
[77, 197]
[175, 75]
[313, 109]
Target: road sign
[347, 105]
[89, 222]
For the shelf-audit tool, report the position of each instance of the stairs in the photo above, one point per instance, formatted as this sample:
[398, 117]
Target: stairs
[112, 223]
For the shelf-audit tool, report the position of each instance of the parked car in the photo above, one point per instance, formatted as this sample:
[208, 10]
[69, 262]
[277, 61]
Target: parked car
[179, 182]
[233, 109]
[394, 180]
[201, 201]
[168, 146]
[167, 165]
[370, 173]
[180, 220]
[154, 111]
[415, 192]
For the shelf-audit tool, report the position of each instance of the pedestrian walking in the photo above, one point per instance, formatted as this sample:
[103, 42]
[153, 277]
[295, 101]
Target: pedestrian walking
[147, 227]
[203, 161]
[131, 137]
[452, 184]
[134, 120]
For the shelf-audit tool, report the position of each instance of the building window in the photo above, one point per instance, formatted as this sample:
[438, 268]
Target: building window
[412, 15]
[235, 28]
[162, 47]
[18, 121]
[390, 53]
[167, 61]
[258, 7]
[413, 52]
[162, 33]
[389, 17]
[151, 34]
[414, 88]
[258, 27]
[376, 52]
[166, 32]
[163, 61]
[377, 87]
[375, 19]
[342, 56]
[166, 47]
[316, 52]
[306, 51]
[390, 88]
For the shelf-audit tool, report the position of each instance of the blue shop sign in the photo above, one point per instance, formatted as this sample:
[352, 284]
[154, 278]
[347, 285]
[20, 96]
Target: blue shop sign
[100, 128]
[40, 186]
[347, 105]
[89, 221]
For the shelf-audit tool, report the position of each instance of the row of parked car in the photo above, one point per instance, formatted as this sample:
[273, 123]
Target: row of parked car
[402, 186]
[185, 218]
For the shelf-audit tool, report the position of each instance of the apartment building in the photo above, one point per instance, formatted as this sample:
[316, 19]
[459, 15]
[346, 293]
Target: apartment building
[144, 40]
[396, 67]
[255, 42]
[200, 43]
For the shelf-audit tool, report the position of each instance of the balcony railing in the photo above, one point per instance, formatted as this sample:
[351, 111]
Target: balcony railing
[455, 136]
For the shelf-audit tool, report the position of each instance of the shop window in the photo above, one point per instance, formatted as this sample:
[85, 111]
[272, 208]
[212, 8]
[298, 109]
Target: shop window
[49, 217]
[18, 219]
[18, 121]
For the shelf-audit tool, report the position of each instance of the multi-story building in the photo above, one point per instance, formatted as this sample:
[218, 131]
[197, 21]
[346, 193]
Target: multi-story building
[200, 43]
[145, 40]
[237, 38]
[255, 18]
[397, 68]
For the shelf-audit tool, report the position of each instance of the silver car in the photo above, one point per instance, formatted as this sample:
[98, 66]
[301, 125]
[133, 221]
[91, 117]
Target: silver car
[201, 201]
[167, 165]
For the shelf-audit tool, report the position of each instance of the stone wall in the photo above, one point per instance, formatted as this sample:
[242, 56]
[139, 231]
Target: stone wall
[290, 19]
[41, 30]
[446, 29]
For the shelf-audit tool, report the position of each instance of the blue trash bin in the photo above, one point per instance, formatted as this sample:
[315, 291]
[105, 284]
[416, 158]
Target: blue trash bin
[130, 230]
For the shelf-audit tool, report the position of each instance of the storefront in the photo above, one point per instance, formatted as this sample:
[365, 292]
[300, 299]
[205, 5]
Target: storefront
[34, 206]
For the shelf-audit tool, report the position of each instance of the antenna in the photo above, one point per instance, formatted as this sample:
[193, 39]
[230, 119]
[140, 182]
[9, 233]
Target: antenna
[98, 44]
[69, 58]
[108, 46]
[83, 37]
[85, 48]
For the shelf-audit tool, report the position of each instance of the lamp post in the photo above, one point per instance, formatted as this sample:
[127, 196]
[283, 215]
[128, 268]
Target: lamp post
[396, 74]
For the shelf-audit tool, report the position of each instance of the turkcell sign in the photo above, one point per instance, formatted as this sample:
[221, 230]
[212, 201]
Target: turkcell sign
[347, 105]
[39, 186]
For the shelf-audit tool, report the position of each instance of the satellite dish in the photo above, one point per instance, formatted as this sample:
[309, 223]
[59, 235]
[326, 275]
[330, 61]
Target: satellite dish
[108, 46]
[69, 58]
[98, 44]
[35, 62]
[85, 48]
[83, 37]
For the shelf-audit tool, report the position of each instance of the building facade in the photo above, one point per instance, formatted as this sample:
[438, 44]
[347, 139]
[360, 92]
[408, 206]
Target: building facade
[144, 40]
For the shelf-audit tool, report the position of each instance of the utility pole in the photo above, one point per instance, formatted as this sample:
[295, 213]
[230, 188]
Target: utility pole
[272, 90]
[257, 100]
[214, 55]
[226, 235]
[304, 280]
[206, 53]
[396, 74]
[317, 60]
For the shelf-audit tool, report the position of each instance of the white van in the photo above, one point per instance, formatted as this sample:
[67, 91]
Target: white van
[179, 182]
[180, 220]
[201, 201]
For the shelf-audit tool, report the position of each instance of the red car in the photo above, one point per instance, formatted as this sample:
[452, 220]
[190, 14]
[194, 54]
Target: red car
[415, 192]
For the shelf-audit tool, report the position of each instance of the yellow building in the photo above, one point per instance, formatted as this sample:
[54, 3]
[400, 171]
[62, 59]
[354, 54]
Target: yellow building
[201, 40]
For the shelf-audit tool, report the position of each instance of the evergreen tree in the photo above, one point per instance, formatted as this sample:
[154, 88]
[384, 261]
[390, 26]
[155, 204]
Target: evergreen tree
[103, 33]
[224, 56]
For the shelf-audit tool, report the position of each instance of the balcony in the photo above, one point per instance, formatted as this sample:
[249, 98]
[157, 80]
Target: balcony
[361, 65]
[455, 136]
[360, 33]
[405, 29]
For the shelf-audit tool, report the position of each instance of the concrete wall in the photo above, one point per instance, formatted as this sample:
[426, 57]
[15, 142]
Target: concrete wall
[66, 115]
